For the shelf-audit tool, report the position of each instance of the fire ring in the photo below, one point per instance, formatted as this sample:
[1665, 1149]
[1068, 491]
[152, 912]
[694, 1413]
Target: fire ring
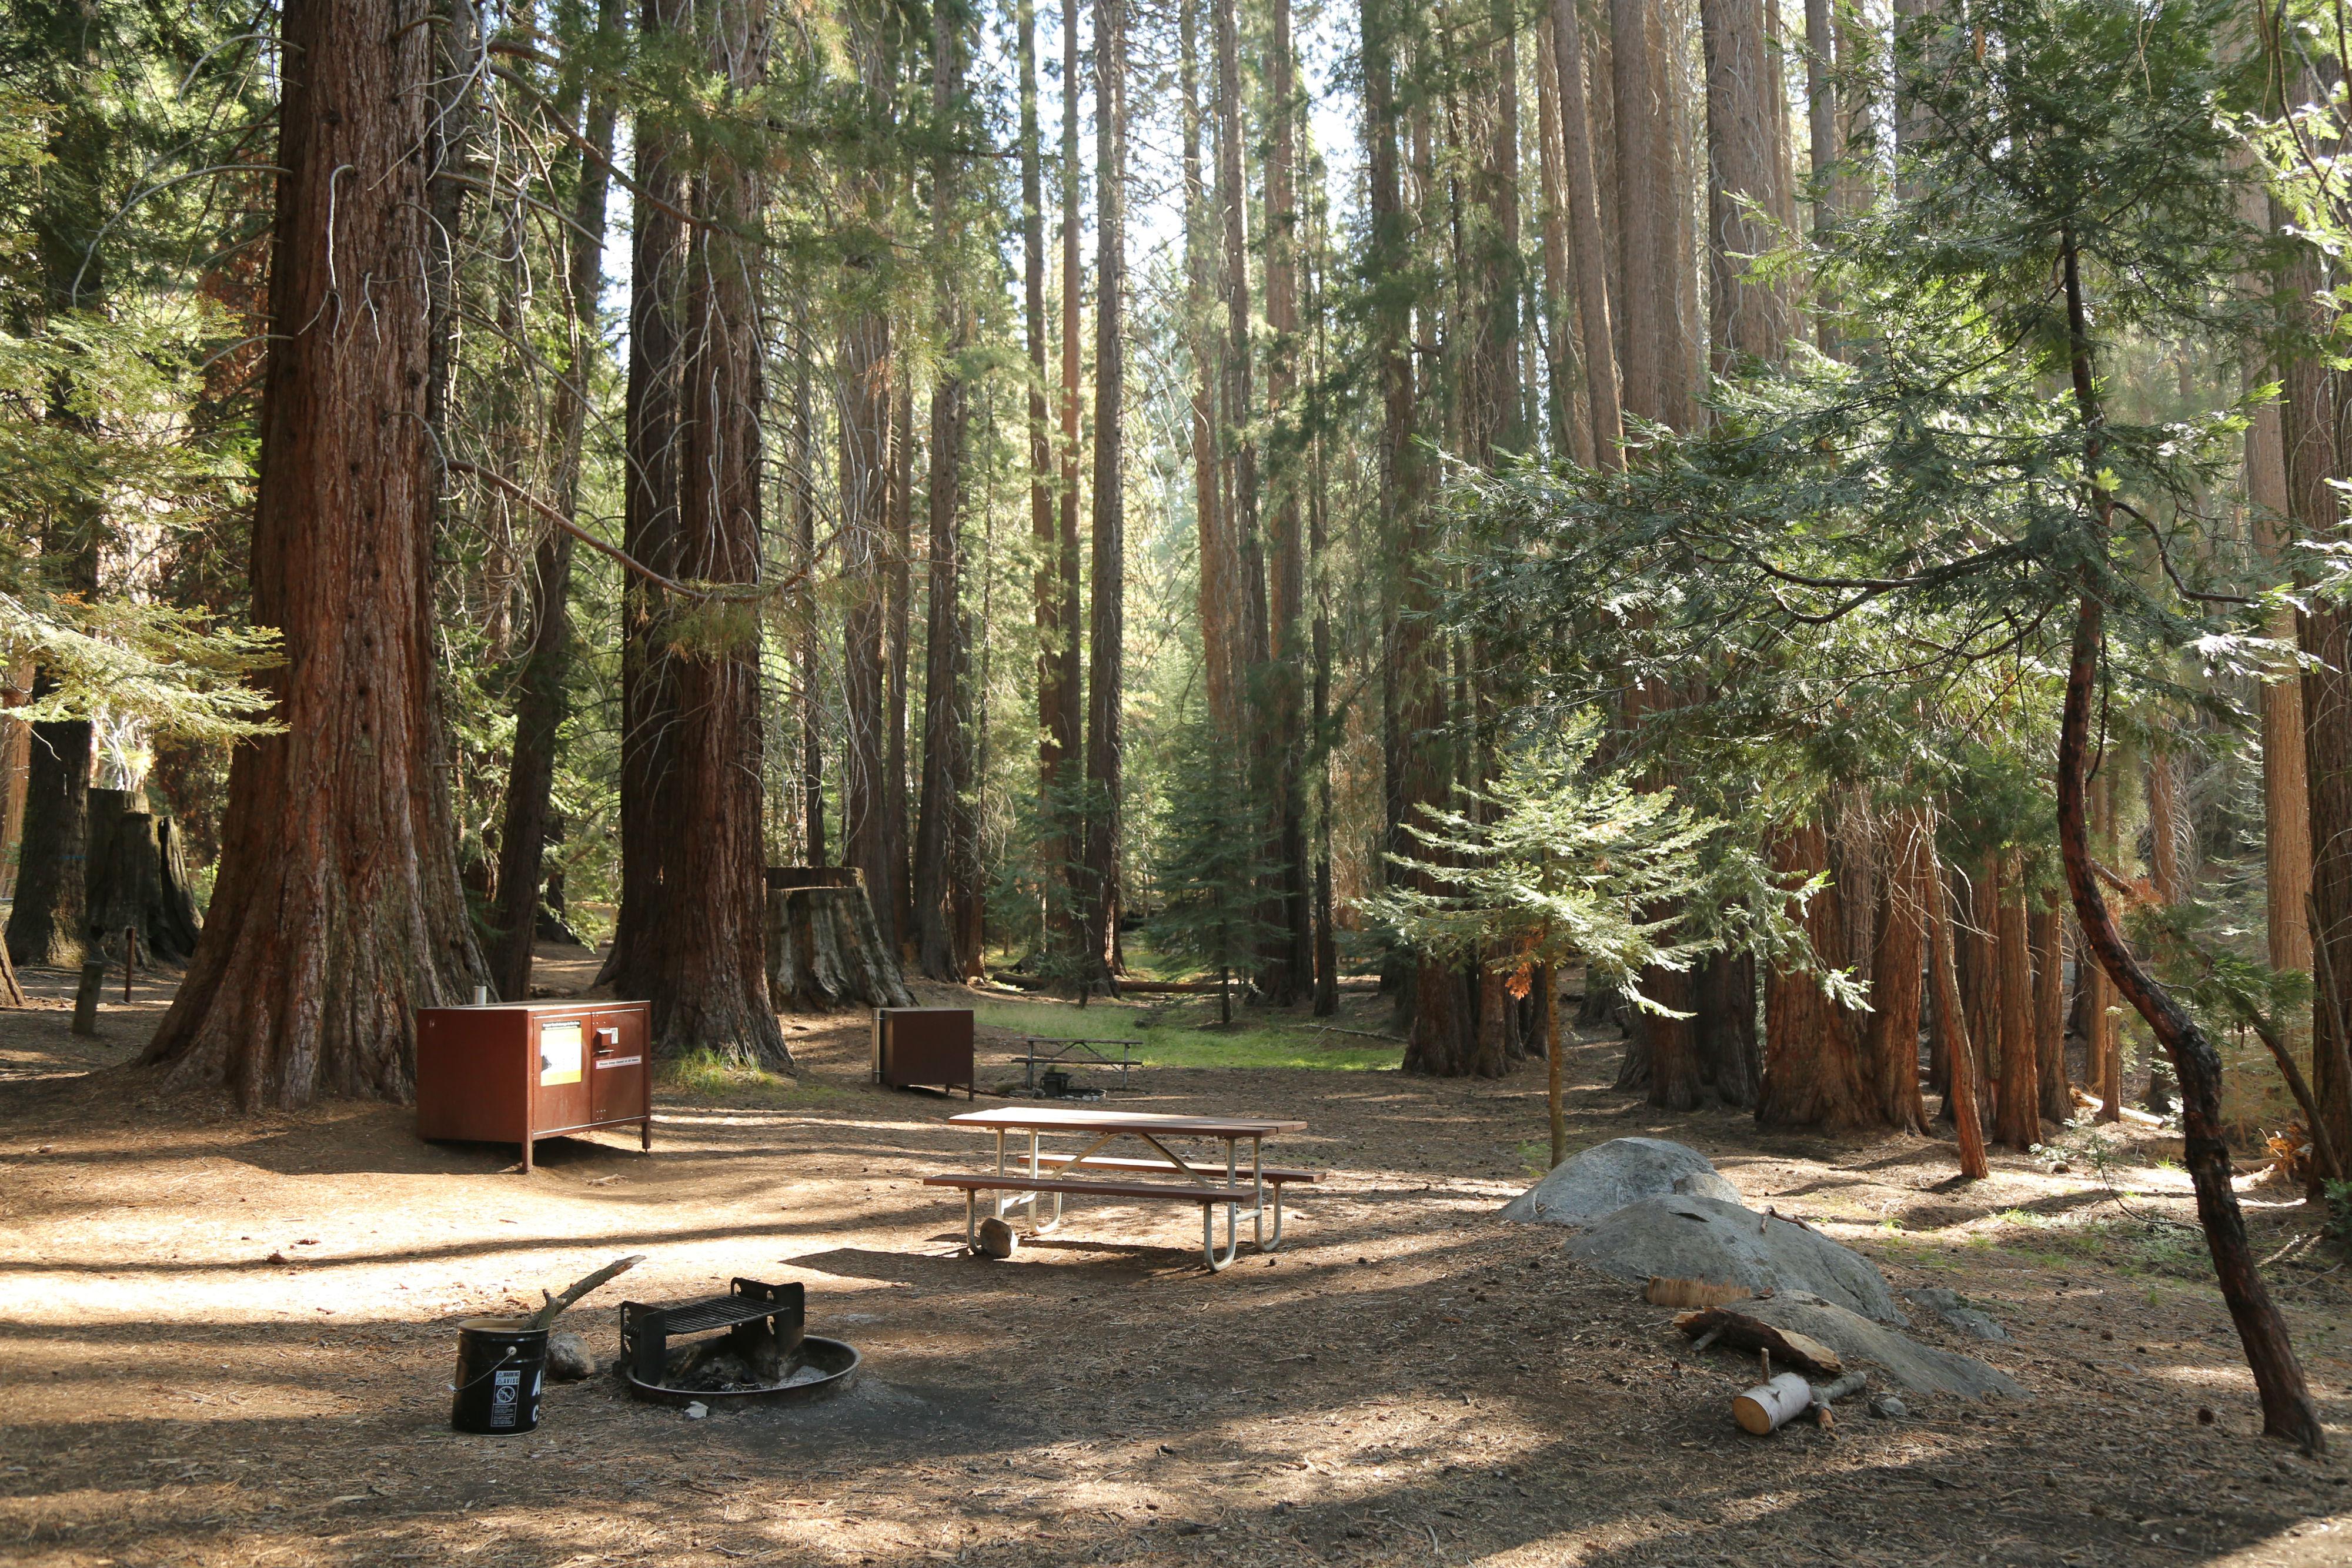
[837, 1360]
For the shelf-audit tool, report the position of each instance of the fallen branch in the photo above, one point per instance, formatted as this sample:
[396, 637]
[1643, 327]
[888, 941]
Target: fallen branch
[546, 1315]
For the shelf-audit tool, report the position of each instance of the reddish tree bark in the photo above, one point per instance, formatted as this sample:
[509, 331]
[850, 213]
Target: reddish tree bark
[2048, 935]
[1814, 1074]
[708, 984]
[2017, 1116]
[337, 912]
[1893, 1054]
[1952, 1028]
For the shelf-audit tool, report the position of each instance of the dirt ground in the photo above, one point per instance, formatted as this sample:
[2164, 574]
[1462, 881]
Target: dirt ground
[1405, 1382]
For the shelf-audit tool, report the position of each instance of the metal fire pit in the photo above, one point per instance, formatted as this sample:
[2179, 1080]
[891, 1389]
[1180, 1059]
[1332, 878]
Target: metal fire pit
[646, 1334]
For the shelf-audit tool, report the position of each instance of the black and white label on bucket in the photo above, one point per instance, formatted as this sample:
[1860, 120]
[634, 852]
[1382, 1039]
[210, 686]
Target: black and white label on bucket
[506, 1390]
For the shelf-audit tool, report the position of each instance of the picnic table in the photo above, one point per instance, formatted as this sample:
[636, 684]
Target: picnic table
[1236, 1188]
[1039, 1050]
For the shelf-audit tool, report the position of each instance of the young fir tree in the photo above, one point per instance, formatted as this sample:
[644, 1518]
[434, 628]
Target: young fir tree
[1552, 864]
[1210, 859]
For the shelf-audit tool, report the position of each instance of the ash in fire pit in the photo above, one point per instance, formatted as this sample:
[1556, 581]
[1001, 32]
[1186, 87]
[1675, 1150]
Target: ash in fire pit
[760, 1354]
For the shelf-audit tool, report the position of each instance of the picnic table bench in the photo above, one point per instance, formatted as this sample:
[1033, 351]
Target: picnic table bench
[1255, 1187]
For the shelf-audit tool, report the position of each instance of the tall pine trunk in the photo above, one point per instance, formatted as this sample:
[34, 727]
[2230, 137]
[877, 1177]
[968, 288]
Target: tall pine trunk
[1220, 652]
[1590, 240]
[1292, 968]
[1063, 749]
[337, 912]
[2049, 940]
[540, 708]
[710, 986]
[649, 531]
[1896, 964]
[1106, 622]
[940, 828]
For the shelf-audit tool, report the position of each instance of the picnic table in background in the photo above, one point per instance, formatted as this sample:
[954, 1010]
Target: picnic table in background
[1236, 1188]
[1039, 1050]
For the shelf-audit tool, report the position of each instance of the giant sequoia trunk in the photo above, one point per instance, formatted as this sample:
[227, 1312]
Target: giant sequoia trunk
[337, 912]
[865, 461]
[1588, 240]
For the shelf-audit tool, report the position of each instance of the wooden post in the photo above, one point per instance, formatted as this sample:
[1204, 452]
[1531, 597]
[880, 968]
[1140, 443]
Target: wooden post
[93, 980]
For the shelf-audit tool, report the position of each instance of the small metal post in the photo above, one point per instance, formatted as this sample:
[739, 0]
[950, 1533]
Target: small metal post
[129, 957]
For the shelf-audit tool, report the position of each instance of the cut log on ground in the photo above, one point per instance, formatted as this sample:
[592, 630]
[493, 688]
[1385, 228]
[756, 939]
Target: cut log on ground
[1785, 1345]
[824, 949]
[1770, 1406]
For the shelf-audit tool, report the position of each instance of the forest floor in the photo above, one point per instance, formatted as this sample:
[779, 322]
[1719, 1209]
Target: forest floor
[1406, 1382]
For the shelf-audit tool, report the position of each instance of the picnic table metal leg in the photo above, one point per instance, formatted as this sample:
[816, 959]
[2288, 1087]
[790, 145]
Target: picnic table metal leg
[1257, 1181]
[1209, 1238]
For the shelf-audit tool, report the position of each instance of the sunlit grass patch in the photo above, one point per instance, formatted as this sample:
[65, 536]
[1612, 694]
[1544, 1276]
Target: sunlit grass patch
[1159, 1040]
[707, 1074]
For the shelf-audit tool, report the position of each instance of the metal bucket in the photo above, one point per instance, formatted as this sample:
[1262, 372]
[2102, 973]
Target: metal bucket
[501, 1367]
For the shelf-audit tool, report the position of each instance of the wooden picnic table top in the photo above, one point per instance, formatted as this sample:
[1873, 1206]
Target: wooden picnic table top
[1063, 1120]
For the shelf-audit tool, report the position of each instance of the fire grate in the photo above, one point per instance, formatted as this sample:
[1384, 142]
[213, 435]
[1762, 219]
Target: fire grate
[763, 1330]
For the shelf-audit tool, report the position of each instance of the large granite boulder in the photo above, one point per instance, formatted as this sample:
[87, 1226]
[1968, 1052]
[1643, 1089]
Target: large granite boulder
[1607, 1177]
[1685, 1236]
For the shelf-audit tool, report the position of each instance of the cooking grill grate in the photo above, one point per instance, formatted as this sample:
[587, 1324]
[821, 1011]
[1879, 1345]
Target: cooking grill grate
[645, 1332]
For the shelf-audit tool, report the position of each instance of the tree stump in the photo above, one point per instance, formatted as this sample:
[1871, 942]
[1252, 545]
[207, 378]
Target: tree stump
[825, 948]
[136, 878]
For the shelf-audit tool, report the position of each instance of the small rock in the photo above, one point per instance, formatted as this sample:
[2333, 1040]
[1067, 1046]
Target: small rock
[697, 1411]
[1887, 1407]
[279, 1257]
[998, 1239]
[567, 1358]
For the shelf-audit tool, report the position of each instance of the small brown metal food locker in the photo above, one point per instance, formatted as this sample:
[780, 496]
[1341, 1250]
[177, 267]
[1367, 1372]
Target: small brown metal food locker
[923, 1045]
[509, 1072]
